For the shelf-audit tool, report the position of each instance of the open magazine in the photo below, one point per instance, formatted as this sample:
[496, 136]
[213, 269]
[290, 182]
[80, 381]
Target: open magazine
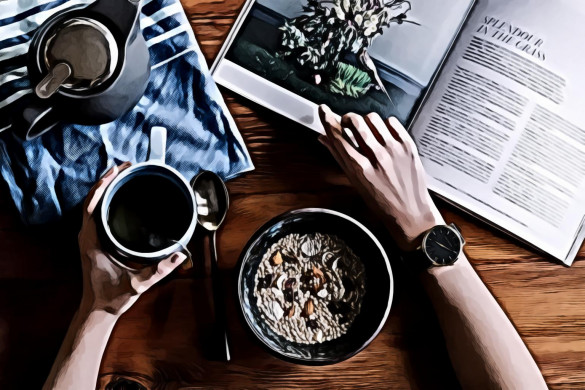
[490, 92]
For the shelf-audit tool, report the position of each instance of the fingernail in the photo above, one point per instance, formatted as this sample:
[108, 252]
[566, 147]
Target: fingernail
[178, 256]
[324, 111]
[393, 121]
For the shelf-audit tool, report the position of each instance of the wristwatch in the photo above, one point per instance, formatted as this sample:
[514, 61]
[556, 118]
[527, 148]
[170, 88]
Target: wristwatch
[441, 246]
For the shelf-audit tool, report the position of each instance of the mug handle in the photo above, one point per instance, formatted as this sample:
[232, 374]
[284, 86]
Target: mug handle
[158, 144]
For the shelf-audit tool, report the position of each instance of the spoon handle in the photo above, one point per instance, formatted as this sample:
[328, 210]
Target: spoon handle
[218, 300]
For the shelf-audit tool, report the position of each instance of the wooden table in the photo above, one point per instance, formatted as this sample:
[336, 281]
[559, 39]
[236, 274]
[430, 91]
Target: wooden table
[160, 341]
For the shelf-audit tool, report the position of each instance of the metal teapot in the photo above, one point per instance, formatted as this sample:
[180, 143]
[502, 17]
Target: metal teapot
[89, 65]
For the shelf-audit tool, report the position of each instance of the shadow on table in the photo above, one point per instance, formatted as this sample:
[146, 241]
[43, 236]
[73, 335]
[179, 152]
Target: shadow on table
[40, 289]
[426, 360]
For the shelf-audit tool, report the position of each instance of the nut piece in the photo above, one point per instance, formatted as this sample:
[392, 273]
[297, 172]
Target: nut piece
[319, 335]
[319, 275]
[276, 311]
[309, 308]
[290, 283]
[317, 272]
[277, 259]
[280, 281]
[291, 311]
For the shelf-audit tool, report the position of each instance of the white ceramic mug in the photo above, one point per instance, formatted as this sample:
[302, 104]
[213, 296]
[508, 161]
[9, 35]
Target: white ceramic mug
[154, 166]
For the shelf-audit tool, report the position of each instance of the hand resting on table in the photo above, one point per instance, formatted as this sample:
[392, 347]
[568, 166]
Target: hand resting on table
[386, 170]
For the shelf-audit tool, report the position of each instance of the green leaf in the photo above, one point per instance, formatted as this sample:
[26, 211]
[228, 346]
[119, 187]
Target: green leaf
[349, 81]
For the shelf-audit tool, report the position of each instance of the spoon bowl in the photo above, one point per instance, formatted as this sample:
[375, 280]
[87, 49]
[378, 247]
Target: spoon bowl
[212, 199]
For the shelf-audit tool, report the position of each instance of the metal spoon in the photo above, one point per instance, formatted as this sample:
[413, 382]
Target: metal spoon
[212, 199]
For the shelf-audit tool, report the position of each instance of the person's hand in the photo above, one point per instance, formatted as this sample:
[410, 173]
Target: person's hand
[386, 170]
[107, 284]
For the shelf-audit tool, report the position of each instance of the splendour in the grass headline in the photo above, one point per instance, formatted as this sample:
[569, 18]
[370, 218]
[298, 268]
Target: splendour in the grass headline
[513, 35]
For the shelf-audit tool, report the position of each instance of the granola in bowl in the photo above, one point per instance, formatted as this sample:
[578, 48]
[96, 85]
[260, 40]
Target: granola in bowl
[309, 288]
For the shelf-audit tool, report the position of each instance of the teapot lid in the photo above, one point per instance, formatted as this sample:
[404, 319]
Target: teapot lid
[89, 50]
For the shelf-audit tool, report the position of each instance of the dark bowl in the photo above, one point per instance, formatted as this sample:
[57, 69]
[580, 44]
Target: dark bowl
[375, 303]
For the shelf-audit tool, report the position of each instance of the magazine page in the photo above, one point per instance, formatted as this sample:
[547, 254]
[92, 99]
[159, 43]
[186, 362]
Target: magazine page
[503, 132]
[353, 55]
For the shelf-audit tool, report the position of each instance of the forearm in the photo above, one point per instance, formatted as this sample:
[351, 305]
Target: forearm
[79, 358]
[485, 348]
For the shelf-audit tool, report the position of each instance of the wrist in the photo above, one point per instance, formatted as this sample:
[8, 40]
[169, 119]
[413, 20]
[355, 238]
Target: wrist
[414, 231]
[96, 317]
[461, 264]
[88, 308]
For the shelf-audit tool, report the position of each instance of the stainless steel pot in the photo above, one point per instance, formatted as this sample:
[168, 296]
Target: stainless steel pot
[89, 65]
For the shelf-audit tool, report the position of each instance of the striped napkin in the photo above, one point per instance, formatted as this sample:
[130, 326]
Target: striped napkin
[52, 174]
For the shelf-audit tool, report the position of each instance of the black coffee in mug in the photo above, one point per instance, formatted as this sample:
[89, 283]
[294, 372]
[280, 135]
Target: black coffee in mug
[149, 212]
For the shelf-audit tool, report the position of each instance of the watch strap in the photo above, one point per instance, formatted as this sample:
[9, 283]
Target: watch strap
[416, 260]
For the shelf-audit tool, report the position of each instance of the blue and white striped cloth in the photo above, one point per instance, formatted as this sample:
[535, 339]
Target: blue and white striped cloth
[53, 173]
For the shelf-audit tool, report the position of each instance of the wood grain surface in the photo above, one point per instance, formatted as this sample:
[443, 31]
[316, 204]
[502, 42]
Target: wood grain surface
[162, 341]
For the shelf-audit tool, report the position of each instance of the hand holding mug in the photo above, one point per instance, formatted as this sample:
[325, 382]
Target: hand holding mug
[107, 284]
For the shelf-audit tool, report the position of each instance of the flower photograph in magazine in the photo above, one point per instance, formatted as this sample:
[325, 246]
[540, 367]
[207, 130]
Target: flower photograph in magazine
[354, 55]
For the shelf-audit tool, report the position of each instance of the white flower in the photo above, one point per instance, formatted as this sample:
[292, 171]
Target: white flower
[369, 31]
[371, 25]
[359, 19]
[346, 5]
[339, 12]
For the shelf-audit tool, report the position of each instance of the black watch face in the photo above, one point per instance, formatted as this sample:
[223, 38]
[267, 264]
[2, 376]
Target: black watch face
[442, 245]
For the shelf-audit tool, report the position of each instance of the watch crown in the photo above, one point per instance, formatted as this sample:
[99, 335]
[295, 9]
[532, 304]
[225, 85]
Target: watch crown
[458, 230]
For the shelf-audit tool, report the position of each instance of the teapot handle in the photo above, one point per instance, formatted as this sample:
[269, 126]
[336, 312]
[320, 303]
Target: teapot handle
[123, 13]
[38, 118]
